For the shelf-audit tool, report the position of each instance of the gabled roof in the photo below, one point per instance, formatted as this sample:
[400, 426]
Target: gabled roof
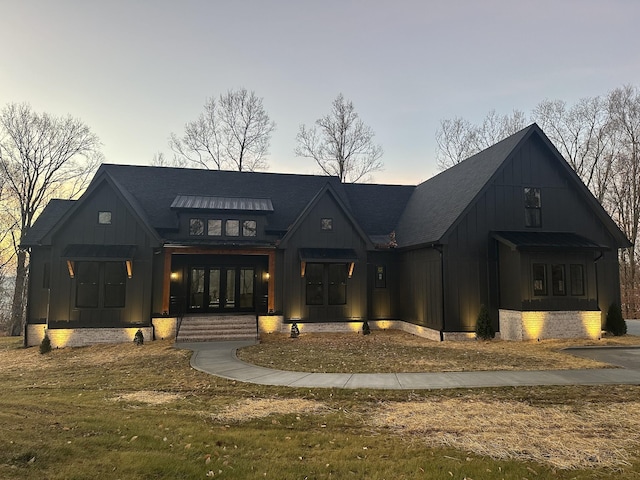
[419, 215]
[328, 189]
[376, 208]
[438, 202]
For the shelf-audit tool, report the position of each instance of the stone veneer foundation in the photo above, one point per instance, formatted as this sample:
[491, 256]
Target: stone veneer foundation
[515, 325]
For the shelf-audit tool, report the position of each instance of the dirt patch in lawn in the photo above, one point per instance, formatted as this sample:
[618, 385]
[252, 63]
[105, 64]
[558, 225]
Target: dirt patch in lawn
[392, 351]
[149, 397]
[252, 408]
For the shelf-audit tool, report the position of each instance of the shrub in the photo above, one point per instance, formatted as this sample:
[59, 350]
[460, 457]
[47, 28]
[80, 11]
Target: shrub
[138, 338]
[615, 324]
[484, 329]
[295, 331]
[366, 330]
[45, 345]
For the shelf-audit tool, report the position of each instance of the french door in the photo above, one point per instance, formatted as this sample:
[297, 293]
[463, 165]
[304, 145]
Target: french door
[221, 289]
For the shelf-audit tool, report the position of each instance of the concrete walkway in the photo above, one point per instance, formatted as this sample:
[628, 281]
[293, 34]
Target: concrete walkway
[219, 358]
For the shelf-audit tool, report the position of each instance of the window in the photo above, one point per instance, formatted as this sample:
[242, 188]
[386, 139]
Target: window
[320, 275]
[532, 207]
[539, 279]
[87, 284]
[115, 279]
[214, 228]
[337, 284]
[558, 280]
[104, 218]
[232, 228]
[577, 280]
[381, 277]
[326, 224]
[249, 228]
[196, 226]
[313, 275]
[100, 284]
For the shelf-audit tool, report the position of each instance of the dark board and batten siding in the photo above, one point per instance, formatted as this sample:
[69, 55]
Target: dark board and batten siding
[472, 267]
[420, 290]
[83, 228]
[308, 234]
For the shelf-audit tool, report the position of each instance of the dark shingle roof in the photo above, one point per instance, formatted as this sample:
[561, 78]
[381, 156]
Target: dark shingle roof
[53, 212]
[438, 202]
[376, 208]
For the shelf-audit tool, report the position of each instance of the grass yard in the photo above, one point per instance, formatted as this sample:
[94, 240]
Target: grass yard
[126, 412]
[392, 351]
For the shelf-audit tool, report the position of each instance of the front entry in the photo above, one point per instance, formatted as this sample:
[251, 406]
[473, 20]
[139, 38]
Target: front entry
[221, 289]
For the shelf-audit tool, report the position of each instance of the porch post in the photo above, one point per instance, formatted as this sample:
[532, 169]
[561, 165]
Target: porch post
[166, 280]
[271, 293]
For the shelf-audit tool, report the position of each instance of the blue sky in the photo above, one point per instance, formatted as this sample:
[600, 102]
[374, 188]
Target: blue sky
[135, 71]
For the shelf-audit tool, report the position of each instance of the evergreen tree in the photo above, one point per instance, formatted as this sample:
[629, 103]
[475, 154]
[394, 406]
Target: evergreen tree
[615, 324]
[484, 329]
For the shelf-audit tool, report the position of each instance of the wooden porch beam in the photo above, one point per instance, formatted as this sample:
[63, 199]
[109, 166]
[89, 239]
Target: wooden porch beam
[271, 289]
[166, 280]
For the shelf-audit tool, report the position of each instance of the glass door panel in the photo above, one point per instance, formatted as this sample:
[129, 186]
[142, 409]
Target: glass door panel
[214, 288]
[196, 288]
[231, 289]
[246, 287]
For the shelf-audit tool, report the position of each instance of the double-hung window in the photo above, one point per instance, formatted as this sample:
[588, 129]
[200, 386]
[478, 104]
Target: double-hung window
[532, 207]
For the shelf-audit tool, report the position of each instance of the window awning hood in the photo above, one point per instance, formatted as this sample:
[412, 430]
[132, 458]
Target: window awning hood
[328, 255]
[542, 241]
[98, 252]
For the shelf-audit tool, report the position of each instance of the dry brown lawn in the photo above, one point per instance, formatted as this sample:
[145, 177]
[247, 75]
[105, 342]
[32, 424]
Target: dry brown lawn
[588, 428]
[391, 351]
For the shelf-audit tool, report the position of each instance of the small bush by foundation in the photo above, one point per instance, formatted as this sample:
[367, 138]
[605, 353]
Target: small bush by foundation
[615, 324]
[484, 329]
[45, 345]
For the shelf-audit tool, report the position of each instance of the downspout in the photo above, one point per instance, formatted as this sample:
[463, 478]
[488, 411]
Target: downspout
[595, 264]
[439, 249]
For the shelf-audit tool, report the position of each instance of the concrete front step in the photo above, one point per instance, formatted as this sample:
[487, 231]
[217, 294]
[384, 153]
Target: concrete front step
[217, 328]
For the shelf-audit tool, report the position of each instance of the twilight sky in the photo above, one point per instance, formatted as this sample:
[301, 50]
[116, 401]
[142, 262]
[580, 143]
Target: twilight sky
[137, 70]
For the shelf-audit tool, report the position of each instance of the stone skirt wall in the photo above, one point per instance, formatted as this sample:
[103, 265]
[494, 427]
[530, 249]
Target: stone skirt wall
[515, 325]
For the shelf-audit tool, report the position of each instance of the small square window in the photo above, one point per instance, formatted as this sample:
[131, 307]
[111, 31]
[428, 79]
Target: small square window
[326, 224]
[196, 226]
[232, 228]
[214, 228]
[104, 218]
[249, 228]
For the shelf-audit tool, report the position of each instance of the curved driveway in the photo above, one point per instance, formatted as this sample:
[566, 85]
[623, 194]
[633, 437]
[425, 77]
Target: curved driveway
[219, 358]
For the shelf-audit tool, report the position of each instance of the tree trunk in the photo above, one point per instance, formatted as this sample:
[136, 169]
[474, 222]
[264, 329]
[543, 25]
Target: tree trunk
[17, 305]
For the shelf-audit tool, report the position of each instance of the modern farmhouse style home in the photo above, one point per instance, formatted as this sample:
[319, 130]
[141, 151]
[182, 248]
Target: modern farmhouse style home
[184, 252]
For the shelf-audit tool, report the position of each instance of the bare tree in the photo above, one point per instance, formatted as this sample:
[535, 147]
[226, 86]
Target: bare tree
[161, 160]
[624, 112]
[341, 144]
[582, 134]
[40, 155]
[456, 142]
[233, 132]
[459, 139]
